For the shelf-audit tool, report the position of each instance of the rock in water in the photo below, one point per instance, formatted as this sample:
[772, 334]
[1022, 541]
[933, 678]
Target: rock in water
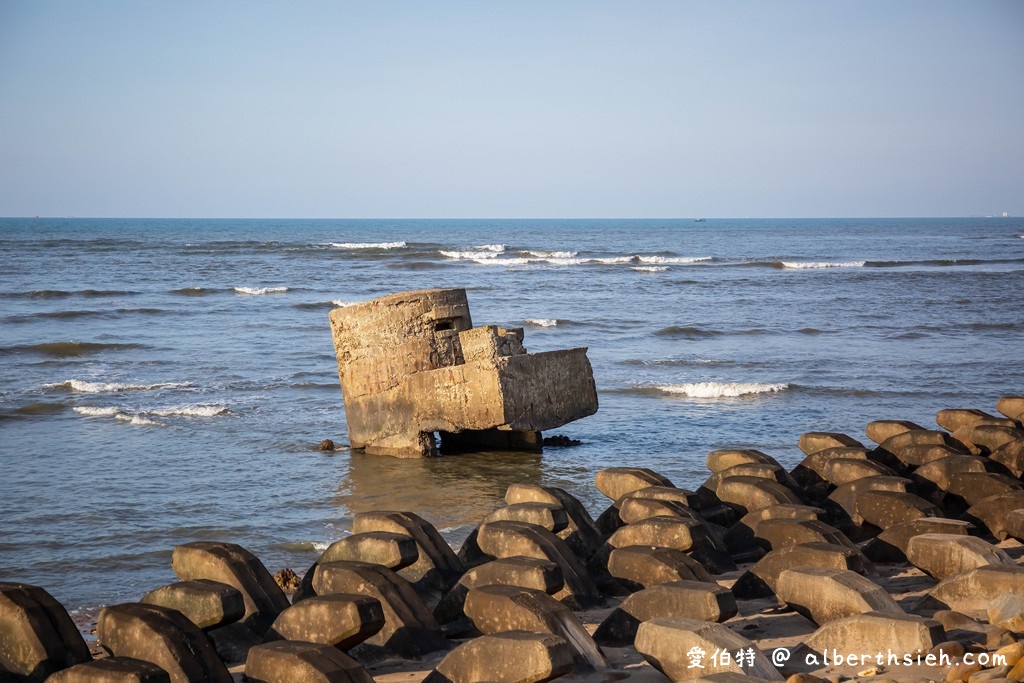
[412, 365]
[37, 637]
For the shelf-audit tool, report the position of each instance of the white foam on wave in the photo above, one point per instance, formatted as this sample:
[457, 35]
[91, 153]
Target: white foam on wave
[83, 387]
[650, 269]
[722, 389]
[496, 248]
[338, 303]
[553, 254]
[673, 260]
[117, 414]
[568, 258]
[541, 322]
[367, 245]
[97, 411]
[142, 417]
[137, 420]
[256, 291]
[491, 261]
[321, 546]
[190, 411]
[822, 264]
[471, 255]
[604, 260]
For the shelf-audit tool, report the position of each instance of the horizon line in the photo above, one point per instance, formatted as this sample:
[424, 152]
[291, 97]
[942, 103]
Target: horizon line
[498, 218]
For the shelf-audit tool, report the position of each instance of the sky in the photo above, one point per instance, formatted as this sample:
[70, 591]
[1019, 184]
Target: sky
[716, 108]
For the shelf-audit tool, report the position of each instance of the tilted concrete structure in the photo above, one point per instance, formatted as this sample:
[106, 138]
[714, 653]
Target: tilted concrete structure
[412, 365]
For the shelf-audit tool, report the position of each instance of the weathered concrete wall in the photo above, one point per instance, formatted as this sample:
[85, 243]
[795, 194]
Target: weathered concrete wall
[411, 364]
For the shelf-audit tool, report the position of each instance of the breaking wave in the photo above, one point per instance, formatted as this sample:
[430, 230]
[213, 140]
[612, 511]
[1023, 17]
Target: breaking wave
[552, 254]
[190, 411]
[650, 269]
[802, 265]
[81, 386]
[470, 255]
[256, 291]
[541, 322]
[721, 389]
[568, 258]
[677, 260]
[144, 417]
[367, 245]
[92, 411]
[137, 420]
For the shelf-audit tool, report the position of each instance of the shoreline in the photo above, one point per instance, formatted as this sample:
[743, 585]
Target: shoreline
[752, 539]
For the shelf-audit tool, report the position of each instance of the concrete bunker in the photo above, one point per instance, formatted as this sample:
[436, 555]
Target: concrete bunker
[412, 365]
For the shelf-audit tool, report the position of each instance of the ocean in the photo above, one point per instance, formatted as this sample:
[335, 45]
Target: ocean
[166, 381]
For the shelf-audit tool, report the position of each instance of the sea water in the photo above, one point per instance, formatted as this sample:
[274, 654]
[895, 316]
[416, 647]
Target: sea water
[166, 381]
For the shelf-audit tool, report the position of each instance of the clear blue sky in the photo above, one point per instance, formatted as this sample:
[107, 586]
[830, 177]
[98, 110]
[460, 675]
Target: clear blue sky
[511, 109]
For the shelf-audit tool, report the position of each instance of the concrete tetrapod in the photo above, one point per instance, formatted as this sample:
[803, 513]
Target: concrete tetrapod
[992, 513]
[1011, 456]
[742, 536]
[409, 630]
[207, 604]
[290, 661]
[581, 536]
[637, 567]
[873, 633]
[386, 548]
[552, 517]
[508, 539]
[633, 509]
[525, 572]
[976, 589]
[509, 657]
[891, 544]
[37, 637]
[161, 636]
[340, 620]
[880, 430]
[885, 509]
[725, 458]
[761, 580]
[952, 419]
[112, 670]
[775, 534]
[1012, 407]
[689, 599]
[616, 482]
[237, 567]
[436, 568]
[749, 494]
[496, 609]
[942, 555]
[824, 595]
[811, 470]
[812, 442]
[670, 644]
